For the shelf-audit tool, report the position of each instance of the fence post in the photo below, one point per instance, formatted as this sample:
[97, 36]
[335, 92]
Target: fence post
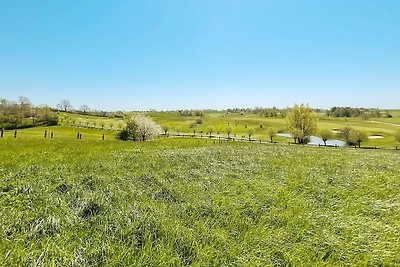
[2, 134]
[103, 136]
[15, 134]
[77, 137]
[51, 136]
[45, 133]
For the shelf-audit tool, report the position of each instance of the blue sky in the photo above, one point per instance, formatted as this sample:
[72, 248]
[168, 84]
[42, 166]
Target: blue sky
[139, 55]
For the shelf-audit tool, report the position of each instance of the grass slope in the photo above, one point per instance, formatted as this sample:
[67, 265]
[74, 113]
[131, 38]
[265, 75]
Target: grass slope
[67, 202]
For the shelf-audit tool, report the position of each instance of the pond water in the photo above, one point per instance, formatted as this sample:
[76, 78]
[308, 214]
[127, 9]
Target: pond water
[315, 140]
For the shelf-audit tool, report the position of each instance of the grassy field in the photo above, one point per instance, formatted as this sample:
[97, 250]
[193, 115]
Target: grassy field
[180, 202]
[240, 125]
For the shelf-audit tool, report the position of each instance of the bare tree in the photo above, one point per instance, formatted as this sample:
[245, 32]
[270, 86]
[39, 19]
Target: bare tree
[85, 108]
[24, 101]
[65, 105]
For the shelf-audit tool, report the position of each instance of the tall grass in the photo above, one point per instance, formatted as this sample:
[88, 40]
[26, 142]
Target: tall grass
[68, 202]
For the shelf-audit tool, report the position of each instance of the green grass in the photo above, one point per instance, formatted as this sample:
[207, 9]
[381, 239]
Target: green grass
[179, 202]
[218, 121]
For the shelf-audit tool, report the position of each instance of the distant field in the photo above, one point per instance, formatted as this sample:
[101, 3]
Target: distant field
[179, 202]
[240, 124]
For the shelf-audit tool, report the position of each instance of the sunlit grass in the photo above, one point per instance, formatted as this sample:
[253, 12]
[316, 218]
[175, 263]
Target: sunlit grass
[179, 202]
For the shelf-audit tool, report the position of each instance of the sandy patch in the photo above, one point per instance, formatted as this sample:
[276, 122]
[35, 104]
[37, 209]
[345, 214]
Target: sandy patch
[375, 137]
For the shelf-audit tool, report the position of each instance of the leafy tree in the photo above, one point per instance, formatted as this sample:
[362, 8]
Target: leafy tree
[271, 133]
[147, 129]
[210, 130]
[111, 124]
[357, 137]
[298, 136]
[397, 136]
[178, 129]
[140, 128]
[165, 129]
[325, 135]
[345, 134]
[229, 131]
[302, 122]
[250, 132]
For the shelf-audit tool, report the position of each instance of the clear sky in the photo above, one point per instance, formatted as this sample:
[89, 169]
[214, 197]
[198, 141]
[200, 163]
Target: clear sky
[173, 54]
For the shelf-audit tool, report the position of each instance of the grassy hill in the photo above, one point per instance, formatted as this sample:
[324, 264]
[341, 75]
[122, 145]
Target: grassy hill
[179, 202]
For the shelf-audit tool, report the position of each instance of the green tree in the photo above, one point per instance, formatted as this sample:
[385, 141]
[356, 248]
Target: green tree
[325, 135]
[210, 131]
[271, 133]
[228, 131]
[357, 137]
[250, 132]
[165, 129]
[397, 136]
[345, 134]
[302, 122]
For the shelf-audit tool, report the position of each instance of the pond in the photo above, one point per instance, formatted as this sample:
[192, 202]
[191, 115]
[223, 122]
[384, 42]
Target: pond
[315, 140]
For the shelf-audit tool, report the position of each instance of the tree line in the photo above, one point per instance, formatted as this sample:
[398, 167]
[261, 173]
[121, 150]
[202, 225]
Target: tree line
[23, 114]
[363, 113]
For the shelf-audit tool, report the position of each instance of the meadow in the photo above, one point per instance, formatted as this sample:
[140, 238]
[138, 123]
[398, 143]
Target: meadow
[218, 121]
[181, 202]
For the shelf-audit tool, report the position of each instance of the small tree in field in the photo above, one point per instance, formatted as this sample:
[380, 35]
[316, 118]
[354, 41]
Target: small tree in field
[357, 137]
[140, 128]
[178, 129]
[298, 136]
[147, 129]
[325, 135]
[111, 124]
[250, 132]
[210, 130]
[397, 136]
[302, 122]
[102, 123]
[165, 129]
[229, 131]
[345, 134]
[271, 133]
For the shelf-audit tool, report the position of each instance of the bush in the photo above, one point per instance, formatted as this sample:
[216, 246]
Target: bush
[139, 128]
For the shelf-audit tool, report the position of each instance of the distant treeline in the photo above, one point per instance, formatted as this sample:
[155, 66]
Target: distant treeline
[66, 106]
[264, 112]
[22, 114]
[363, 113]
[97, 113]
